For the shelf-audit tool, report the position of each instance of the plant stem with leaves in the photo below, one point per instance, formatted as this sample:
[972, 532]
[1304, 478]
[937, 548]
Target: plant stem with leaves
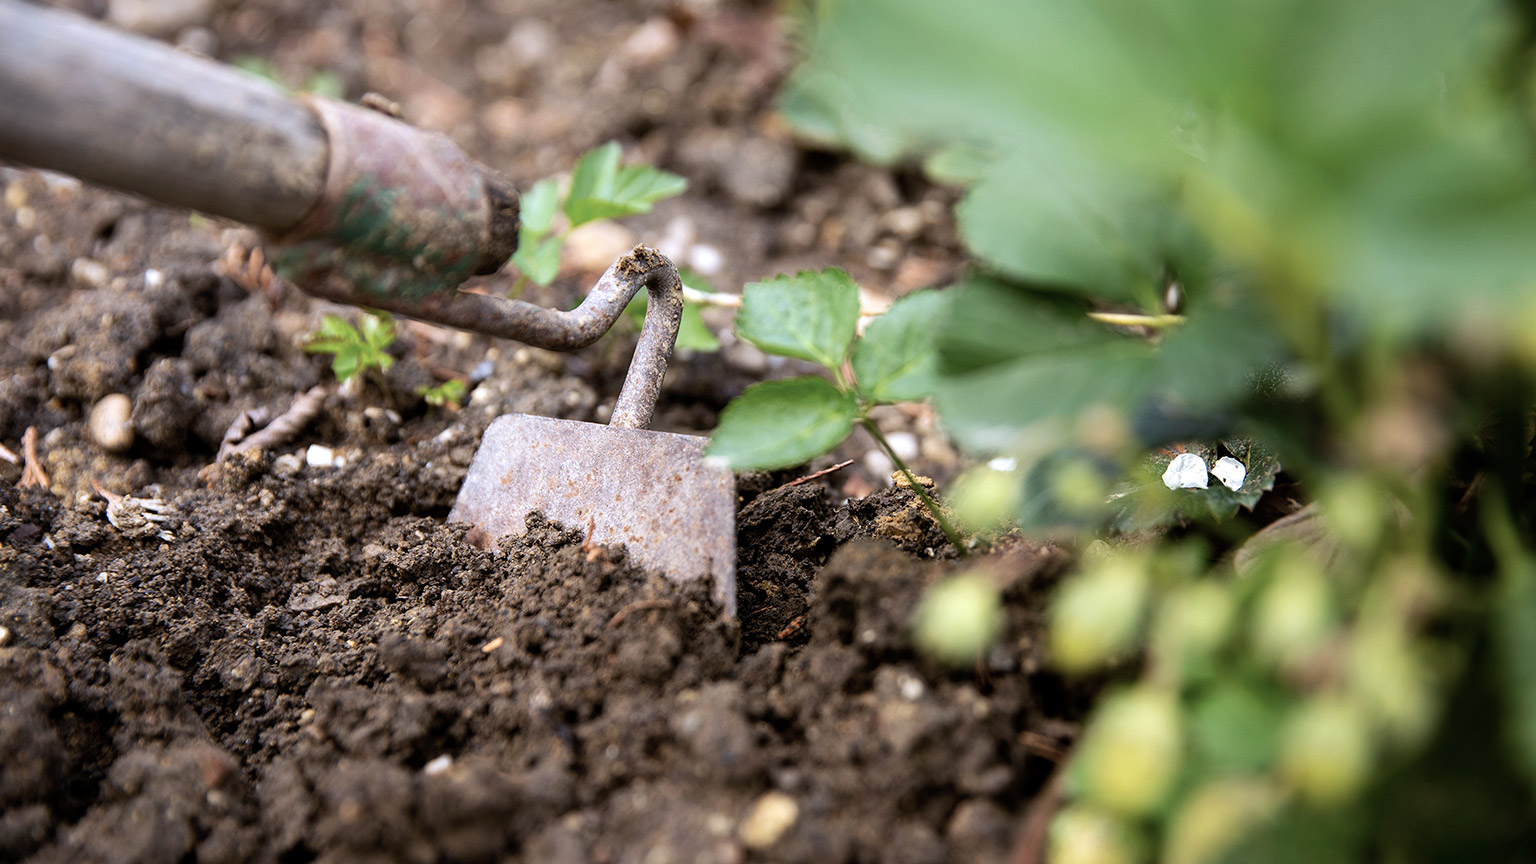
[814, 316]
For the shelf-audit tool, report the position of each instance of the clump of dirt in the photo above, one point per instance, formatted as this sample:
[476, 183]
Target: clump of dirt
[294, 658]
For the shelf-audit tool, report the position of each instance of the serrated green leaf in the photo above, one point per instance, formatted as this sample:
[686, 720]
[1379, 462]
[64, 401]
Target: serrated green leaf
[812, 315]
[378, 330]
[779, 424]
[450, 392]
[593, 175]
[640, 186]
[538, 259]
[897, 358]
[337, 327]
[346, 362]
[539, 205]
[600, 189]
[330, 346]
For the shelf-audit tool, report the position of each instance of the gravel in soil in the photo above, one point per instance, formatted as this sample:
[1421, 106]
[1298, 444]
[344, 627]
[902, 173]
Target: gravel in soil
[294, 658]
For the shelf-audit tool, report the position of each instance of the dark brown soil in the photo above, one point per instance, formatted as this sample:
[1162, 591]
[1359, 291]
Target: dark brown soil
[304, 662]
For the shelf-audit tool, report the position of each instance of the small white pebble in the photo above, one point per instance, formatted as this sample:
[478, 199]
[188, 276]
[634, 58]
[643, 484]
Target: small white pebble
[438, 765]
[769, 818]
[1186, 471]
[91, 272]
[5, 635]
[153, 278]
[911, 688]
[706, 259]
[678, 237]
[878, 464]
[111, 423]
[324, 457]
[904, 443]
[1230, 472]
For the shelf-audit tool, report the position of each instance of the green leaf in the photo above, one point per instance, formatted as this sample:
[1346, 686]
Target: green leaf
[600, 189]
[378, 330]
[692, 333]
[539, 205]
[1145, 502]
[346, 362]
[334, 327]
[1062, 218]
[1009, 358]
[593, 174]
[640, 186]
[1235, 728]
[812, 315]
[538, 258]
[896, 360]
[450, 392]
[779, 424]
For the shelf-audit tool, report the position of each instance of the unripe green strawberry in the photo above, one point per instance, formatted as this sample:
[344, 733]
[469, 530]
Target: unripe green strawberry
[1295, 612]
[958, 618]
[1133, 751]
[1097, 614]
[1085, 835]
[1191, 626]
[1393, 682]
[985, 496]
[1215, 816]
[1325, 751]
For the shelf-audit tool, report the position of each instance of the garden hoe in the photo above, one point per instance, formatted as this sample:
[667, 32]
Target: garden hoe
[364, 209]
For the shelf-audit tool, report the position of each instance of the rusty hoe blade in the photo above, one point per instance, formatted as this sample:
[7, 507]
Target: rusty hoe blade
[650, 492]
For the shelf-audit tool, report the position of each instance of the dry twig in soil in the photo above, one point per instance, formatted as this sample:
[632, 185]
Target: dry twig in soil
[819, 474]
[32, 473]
[280, 431]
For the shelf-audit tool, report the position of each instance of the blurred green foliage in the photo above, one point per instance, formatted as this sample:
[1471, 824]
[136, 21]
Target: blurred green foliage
[1342, 195]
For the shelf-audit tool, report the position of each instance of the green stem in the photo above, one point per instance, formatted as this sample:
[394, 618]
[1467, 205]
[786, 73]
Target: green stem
[950, 533]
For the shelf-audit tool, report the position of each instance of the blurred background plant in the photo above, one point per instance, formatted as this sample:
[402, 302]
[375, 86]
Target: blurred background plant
[1300, 234]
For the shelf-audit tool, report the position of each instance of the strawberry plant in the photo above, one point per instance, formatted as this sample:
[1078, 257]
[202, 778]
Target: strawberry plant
[814, 316]
[1287, 233]
[449, 394]
[355, 351]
